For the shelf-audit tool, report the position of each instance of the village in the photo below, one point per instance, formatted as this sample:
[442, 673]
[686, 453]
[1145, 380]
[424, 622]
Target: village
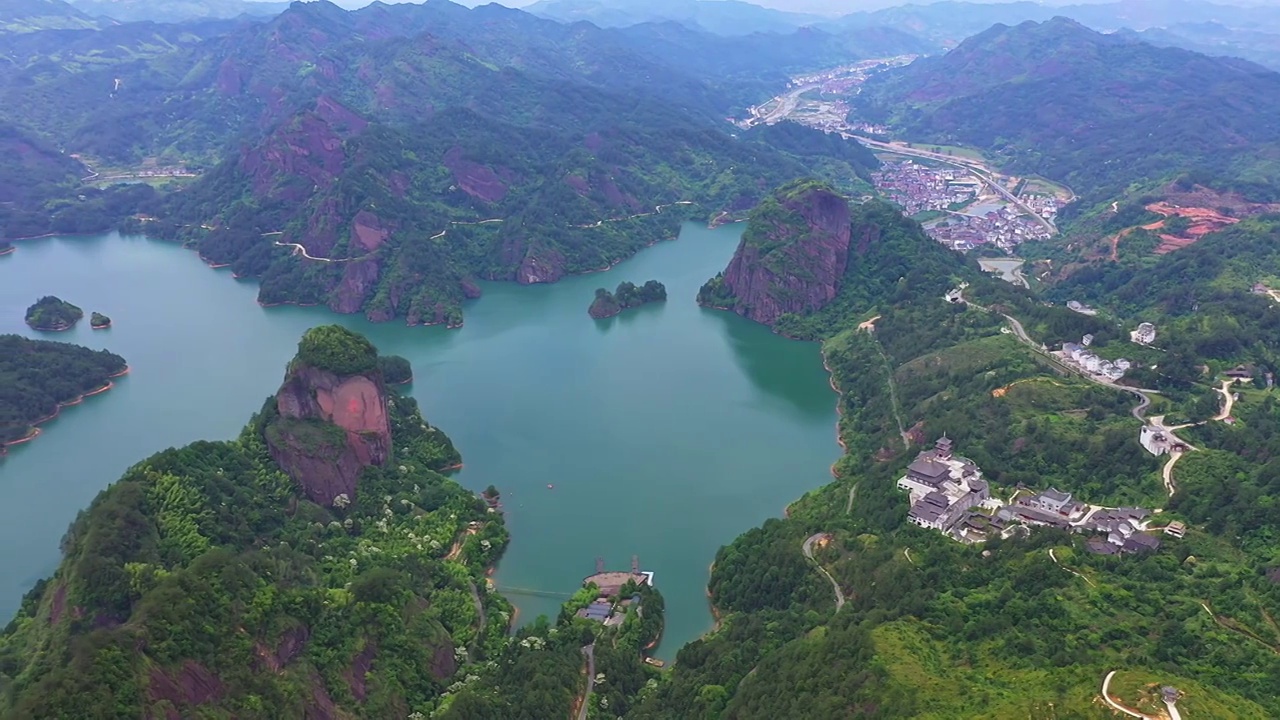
[956, 208]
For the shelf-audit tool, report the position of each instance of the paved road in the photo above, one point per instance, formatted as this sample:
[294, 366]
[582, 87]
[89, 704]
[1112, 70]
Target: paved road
[1144, 399]
[590, 652]
[1106, 695]
[808, 552]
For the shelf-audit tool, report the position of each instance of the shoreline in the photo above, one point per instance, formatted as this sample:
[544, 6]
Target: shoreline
[9, 250]
[35, 426]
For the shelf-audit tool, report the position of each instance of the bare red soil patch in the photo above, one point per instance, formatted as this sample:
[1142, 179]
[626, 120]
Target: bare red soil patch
[1203, 222]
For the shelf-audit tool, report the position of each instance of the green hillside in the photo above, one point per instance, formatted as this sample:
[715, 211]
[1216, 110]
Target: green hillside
[1098, 112]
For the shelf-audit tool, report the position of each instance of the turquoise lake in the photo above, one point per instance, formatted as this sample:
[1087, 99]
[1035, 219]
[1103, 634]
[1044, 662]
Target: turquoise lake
[665, 432]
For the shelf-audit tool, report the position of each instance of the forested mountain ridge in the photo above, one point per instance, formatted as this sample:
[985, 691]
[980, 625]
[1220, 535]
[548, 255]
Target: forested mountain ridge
[1098, 112]
[204, 581]
[24, 16]
[379, 161]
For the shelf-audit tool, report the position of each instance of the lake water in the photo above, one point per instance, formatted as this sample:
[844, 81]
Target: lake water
[666, 431]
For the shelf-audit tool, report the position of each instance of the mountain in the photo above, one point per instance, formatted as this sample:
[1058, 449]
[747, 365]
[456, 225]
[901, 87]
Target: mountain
[754, 66]
[206, 581]
[1098, 112]
[1213, 38]
[947, 24]
[43, 56]
[23, 16]
[791, 258]
[176, 11]
[721, 17]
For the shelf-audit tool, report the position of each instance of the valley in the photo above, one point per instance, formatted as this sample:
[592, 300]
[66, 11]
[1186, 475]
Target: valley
[528, 291]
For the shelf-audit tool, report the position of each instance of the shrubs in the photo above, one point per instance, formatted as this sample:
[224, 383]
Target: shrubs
[338, 350]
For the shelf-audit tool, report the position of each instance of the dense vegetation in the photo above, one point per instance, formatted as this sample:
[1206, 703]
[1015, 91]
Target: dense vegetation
[628, 295]
[98, 321]
[1100, 112]
[1201, 299]
[337, 350]
[202, 582]
[37, 375]
[395, 369]
[52, 313]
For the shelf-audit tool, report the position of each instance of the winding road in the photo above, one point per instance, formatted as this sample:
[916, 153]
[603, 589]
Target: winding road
[808, 552]
[1106, 696]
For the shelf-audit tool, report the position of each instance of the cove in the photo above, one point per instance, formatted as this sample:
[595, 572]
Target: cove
[666, 431]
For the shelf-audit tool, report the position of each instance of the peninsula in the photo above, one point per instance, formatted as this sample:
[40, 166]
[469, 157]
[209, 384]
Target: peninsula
[53, 314]
[41, 377]
[296, 569]
[6, 248]
[628, 295]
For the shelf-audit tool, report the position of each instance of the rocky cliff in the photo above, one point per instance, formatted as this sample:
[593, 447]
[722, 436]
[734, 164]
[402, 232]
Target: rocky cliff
[791, 258]
[333, 419]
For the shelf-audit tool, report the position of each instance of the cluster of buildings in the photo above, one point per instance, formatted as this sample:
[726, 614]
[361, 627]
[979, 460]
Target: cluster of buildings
[920, 188]
[1005, 228]
[943, 487]
[1079, 355]
[608, 608]
[949, 494]
[1046, 206]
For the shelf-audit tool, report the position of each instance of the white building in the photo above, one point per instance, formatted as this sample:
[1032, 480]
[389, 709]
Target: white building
[1144, 335]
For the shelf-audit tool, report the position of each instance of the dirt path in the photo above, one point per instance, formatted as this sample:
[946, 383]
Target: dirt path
[893, 398]
[1228, 401]
[1054, 558]
[483, 621]
[848, 508]
[807, 547]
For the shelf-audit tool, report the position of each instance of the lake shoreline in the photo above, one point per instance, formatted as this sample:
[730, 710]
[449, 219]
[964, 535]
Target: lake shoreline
[35, 425]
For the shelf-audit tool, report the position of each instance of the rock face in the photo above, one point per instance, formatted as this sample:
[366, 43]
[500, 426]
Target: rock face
[331, 426]
[792, 255]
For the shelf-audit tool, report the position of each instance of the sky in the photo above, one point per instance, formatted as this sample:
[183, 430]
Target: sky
[826, 7]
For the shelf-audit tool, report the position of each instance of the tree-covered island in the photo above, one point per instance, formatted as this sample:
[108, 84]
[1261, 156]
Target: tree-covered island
[39, 376]
[98, 321]
[628, 295]
[53, 314]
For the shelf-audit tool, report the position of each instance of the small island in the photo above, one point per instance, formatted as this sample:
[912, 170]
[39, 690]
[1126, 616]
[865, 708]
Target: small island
[395, 369]
[53, 314]
[6, 247]
[628, 295]
[98, 321]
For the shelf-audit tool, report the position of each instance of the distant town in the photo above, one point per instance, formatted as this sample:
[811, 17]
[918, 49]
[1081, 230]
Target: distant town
[960, 202]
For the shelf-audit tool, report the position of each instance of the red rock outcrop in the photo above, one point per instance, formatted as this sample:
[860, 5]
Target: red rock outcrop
[312, 401]
[791, 261]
